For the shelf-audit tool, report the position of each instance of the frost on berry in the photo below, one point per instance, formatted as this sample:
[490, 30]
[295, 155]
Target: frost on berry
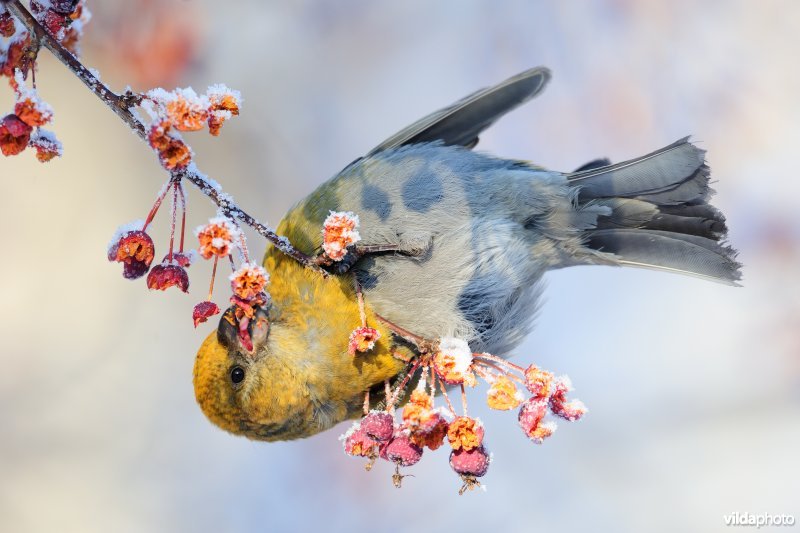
[539, 382]
[203, 311]
[430, 431]
[14, 57]
[453, 362]
[134, 249]
[378, 425]
[172, 151]
[503, 394]
[31, 109]
[14, 135]
[186, 111]
[216, 238]
[164, 276]
[531, 417]
[46, 145]
[249, 281]
[474, 462]
[7, 25]
[465, 433]
[568, 410]
[402, 452]
[362, 339]
[357, 443]
[223, 104]
[338, 232]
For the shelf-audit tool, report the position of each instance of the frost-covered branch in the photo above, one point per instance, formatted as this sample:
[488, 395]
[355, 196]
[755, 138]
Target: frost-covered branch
[122, 105]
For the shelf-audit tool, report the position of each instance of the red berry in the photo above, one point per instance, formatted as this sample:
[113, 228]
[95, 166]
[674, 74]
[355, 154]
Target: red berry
[474, 462]
[379, 425]
[164, 276]
[531, 416]
[402, 451]
[358, 444]
[135, 250]
[203, 311]
[7, 26]
[14, 135]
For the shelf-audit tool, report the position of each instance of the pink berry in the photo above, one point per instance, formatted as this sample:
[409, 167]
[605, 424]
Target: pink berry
[474, 462]
[378, 425]
[402, 451]
[357, 443]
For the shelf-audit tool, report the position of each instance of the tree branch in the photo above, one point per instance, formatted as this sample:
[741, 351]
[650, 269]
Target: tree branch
[122, 104]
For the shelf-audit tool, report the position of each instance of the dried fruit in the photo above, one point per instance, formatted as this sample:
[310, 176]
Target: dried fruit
[358, 444]
[203, 311]
[172, 151]
[465, 433]
[339, 231]
[14, 135]
[46, 145]
[164, 276]
[531, 417]
[378, 425]
[538, 382]
[503, 394]
[453, 362]
[362, 339]
[402, 452]
[474, 462]
[216, 238]
[133, 248]
[568, 410]
[249, 281]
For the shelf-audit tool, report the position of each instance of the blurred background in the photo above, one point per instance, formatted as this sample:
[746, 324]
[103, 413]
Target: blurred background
[693, 387]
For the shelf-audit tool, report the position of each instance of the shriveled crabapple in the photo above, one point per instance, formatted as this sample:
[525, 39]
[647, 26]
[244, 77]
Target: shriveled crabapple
[203, 311]
[503, 394]
[14, 135]
[134, 249]
[378, 425]
[165, 275]
[362, 339]
[465, 433]
[401, 451]
[338, 233]
[531, 416]
[568, 410]
[539, 382]
[453, 362]
[474, 462]
[431, 431]
[46, 145]
[216, 238]
[249, 281]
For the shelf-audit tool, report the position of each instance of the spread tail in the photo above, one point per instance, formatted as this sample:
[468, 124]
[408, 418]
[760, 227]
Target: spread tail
[658, 215]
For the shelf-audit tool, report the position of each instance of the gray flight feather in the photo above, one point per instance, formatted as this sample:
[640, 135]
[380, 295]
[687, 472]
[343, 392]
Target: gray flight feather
[462, 122]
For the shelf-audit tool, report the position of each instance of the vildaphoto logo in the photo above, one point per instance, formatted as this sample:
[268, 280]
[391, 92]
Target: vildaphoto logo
[758, 520]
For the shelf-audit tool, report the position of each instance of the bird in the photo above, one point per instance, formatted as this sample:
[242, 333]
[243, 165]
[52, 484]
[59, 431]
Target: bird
[467, 237]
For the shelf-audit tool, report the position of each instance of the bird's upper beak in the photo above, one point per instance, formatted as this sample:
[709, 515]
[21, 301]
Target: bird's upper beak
[244, 330]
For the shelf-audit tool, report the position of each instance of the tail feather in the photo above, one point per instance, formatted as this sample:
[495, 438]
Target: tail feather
[658, 214]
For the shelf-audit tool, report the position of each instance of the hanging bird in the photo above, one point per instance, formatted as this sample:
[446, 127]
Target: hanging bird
[467, 238]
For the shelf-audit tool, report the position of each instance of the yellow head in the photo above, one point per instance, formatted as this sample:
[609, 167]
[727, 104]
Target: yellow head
[298, 379]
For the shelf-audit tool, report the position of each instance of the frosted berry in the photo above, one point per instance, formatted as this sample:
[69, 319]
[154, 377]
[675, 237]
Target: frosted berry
[473, 462]
[402, 451]
[164, 276]
[379, 425]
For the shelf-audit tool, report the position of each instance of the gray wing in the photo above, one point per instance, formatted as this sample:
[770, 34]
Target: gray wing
[462, 122]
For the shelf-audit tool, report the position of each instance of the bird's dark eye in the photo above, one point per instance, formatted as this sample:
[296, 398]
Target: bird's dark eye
[237, 374]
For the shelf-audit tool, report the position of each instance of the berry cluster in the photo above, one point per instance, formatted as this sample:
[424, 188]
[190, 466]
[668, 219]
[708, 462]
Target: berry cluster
[64, 20]
[450, 363]
[184, 110]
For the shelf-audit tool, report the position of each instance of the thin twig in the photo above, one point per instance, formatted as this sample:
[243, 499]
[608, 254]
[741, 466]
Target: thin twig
[122, 104]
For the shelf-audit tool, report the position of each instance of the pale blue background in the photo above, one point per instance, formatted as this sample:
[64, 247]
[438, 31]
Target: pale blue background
[693, 387]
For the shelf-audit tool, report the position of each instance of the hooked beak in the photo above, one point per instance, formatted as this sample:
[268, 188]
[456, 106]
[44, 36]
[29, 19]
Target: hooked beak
[243, 331]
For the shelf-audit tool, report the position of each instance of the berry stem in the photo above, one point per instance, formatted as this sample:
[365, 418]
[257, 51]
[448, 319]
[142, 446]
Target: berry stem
[436, 382]
[500, 361]
[182, 197]
[366, 402]
[411, 372]
[156, 205]
[506, 373]
[464, 399]
[213, 275]
[174, 219]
